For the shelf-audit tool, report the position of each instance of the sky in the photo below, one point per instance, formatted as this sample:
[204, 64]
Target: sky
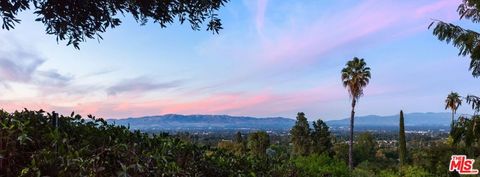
[273, 58]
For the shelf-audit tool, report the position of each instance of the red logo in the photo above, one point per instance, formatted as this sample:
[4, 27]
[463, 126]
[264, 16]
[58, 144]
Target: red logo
[462, 165]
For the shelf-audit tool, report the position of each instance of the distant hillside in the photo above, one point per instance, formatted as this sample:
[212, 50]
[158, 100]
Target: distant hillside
[411, 120]
[196, 122]
[226, 122]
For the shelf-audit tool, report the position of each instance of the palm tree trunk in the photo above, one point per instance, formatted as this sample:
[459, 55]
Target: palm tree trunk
[350, 145]
[453, 123]
[453, 115]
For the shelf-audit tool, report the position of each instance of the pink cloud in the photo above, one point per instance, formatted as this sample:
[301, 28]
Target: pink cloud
[428, 9]
[365, 21]
[317, 99]
[13, 105]
[126, 107]
[257, 103]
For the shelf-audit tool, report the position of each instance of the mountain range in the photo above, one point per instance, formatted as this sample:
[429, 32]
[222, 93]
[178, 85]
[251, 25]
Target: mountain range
[200, 122]
[226, 122]
[411, 119]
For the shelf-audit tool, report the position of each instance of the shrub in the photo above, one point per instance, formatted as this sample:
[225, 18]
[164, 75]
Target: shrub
[320, 165]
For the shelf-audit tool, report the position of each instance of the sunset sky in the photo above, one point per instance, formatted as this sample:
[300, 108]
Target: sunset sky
[273, 58]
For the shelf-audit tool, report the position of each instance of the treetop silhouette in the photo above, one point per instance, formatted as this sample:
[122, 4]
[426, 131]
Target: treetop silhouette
[78, 20]
[466, 40]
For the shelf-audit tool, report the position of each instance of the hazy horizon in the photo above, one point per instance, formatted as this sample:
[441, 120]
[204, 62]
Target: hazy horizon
[273, 58]
[310, 118]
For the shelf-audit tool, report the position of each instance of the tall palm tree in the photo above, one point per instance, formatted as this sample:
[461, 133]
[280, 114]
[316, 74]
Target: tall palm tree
[453, 101]
[355, 77]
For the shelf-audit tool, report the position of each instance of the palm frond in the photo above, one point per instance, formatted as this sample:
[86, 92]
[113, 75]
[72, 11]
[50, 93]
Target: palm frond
[355, 76]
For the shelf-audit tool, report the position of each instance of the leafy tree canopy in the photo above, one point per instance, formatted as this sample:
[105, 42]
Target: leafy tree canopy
[258, 143]
[321, 138]
[301, 139]
[466, 40]
[366, 147]
[320, 165]
[78, 20]
[474, 101]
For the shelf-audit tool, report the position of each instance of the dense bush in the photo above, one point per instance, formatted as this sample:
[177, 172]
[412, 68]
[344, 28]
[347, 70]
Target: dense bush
[320, 165]
[415, 171]
[91, 147]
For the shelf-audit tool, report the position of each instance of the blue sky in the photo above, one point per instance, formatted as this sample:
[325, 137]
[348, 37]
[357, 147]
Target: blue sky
[273, 58]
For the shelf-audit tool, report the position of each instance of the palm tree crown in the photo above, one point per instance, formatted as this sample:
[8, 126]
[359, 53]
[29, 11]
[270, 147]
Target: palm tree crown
[453, 101]
[355, 76]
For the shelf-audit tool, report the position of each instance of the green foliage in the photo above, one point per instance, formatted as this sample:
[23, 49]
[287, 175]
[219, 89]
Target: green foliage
[387, 173]
[306, 141]
[466, 131]
[315, 165]
[402, 149]
[435, 158]
[365, 148]
[368, 155]
[232, 147]
[475, 102]
[467, 41]
[341, 151]
[361, 172]
[415, 171]
[238, 146]
[300, 132]
[238, 138]
[258, 143]
[91, 147]
[365, 168]
[321, 138]
[76, 21]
